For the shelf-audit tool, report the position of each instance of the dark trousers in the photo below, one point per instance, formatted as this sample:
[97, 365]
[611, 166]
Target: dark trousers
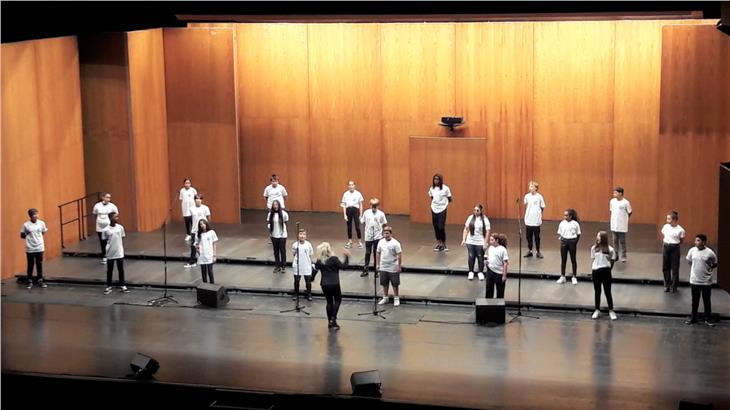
[602, 276]
[533, 233]
[568, 246]
[279, 245]
[705, 291]
[494, 278]
[307, 283]
[333, 296]
[670, 265]
[206, 270]
[475, 252]
[439, 225]
[370, 247]
[193, 252]
[188, 224]
[353, 217]
[34, 258]
[619, 240]
[110, 268]
[102, 242]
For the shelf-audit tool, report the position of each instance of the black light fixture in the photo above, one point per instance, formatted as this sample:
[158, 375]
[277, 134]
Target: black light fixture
[451, 122]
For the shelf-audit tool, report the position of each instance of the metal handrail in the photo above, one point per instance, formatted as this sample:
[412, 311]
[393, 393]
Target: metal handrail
[80, 215]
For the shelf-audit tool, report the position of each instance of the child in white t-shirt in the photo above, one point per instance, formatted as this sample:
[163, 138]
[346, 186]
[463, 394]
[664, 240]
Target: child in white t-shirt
[497, 265]
[113, 237]
[276, 221]
[534, 206]
[32, 232]
[351, 210]
[302, 252]
[673, 234]
[476, 230]
[187, 201]
[205, 245]
[603, 257]
[569, 235]
[198, 212]
[373, 219]
[440, 195]
[702, 261]
[621, 211]
[102, 209]
[275, 192]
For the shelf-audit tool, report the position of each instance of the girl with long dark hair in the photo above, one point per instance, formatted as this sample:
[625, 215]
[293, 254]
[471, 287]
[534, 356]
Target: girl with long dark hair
[276, 223]
[187, 201]
[603, 257]
[673, 234]
[440, 195]
[476, 230]
[205, 245]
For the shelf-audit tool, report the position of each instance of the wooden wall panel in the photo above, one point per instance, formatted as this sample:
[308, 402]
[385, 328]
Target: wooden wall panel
[508, 167]
[418, 71]
[276, 146]
[201, 117]
[494, 72]
[572, 163]
[104, 96]
[148, 115]
[458, 160]
[42, 152]
[574, 71]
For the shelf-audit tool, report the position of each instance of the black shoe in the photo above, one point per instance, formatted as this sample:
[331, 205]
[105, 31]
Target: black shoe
[710, 324]
[335, 325]
[666, 290]
[309, 297]
[528, 254]
[42, 284]
[690, 321]
[539, 255]
[364, 273]
[674, 289]
[329, 324]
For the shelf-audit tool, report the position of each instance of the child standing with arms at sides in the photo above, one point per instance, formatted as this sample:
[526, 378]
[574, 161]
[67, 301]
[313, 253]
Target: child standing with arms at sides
[374, 220]
[621, 211]
[440, 195]
[603, 257]
[32, 232]
[569, 234]
[388, 263]
[198, 212]
[673, 236]
[205, 245]
[113, 235]
[702, 260]
[351, 209]
[275, 192]
[187, 201]
[534, 205]
[497, 265]
[330, 266]
[476, 230]
[276, 223]
[302, 252]
[102, 209]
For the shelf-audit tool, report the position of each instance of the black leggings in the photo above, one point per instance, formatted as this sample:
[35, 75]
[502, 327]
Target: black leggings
[439, 225]
[566, 246]
[102, 242]
[475, 252]
[110, 268]
[353, 217]
[34, 258]
[602, 276]
[188, 224]
[533, 232]
[307, 283]
[705, 291]
[494, 278]
[670, 263]
[193, 251]
[279, 245]
[333, 295]
[206, 270]
[370, 247]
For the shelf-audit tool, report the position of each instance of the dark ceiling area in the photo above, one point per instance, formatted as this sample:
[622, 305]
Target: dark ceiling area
[26, 20]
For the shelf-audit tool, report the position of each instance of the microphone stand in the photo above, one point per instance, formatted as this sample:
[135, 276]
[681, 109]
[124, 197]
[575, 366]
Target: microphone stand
[165, 298]
[375, 311]
[297, 308]
[519, 314]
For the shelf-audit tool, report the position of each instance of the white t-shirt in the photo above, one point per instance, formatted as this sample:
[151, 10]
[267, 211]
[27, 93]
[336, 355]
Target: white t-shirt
[278, 231]
[701, 273]
[351, 199]
[187, 199]
[672, 234]
[304, 256]
[205, 244]
[114, 245]
[439, 198]
[620, 211]
[533, 209]
[600, 259]
[198, 213]
[373, 224]
[275, 194]
[496, 255]
[389, 251]
[102, 214]
[479, 230]
[568, 229]
[34, 235]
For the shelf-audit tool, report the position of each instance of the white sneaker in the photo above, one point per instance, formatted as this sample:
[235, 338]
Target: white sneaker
[103, 261]
[396, 301]
[124, 289]
[561, 280]
[470, 276]
[108, 290]
[596, 314]
[612, 314]
[574, 280]
[190, 265]
[383, 301]
[481, 276]
[187, 238]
